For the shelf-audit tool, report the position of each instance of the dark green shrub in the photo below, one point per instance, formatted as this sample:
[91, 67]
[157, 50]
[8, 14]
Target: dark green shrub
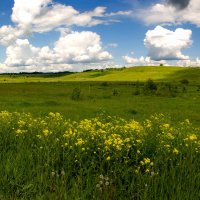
[136, 92]
[105, 84]
[76, 94]
[137, 88]
[184, 81]
[150, 87]
[167, 90]
[115, 92]
[134, 112]
[184, 89]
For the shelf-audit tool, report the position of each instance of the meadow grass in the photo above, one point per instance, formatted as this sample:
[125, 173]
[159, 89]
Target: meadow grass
[105, 157]
[113, 98]
[72, 146]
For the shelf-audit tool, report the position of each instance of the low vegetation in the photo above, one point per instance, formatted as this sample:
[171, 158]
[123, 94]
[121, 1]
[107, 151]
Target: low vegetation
[95, 135]
[105, 157]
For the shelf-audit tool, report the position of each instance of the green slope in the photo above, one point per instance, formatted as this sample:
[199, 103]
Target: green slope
[124, 74]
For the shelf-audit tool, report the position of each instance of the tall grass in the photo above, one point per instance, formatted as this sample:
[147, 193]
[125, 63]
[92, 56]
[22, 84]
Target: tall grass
[100, 158]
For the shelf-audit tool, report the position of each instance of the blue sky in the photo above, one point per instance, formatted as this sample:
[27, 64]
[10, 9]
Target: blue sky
[47, 35]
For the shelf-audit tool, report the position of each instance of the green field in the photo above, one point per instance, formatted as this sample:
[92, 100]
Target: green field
[110, 91]
[116, 134]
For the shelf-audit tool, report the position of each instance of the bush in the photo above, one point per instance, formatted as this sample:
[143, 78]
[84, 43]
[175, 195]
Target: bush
[136, 92]
[184, 81]
[137, 88]
[76, 94]
[167, 90]
[105, 84]
[133, 112]
[150, 87]
[115, 92]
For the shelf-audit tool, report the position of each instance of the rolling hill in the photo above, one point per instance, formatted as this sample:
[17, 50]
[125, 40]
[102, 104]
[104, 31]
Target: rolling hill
[122, 74]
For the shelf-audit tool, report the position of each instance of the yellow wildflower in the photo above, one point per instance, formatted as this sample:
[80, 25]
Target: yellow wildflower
[46, 132]
[167, 145]
[80, 141]
[175, 151]
[166, 126]
[21, 123]
[147, 170]
[136, 171]
[108, 158]
[139, 141]
[192, 137]
[147, 160]
[18, 131]
[51, 114]
[142, 163]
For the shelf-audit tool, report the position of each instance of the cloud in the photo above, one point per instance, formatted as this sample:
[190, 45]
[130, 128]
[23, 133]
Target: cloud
[180, 4]
[160, 13]
[62, 15]
[111, 45]
[24, 12]
[46, 15]
[189, 63]
[157, 14]
[3, 68]
[22, 53]
[72, 48]
[50, 68]
[81, 47]
[147, 61]
[164, 44]
[122, 13]
[142, 61]
[58, 67]
[8, 34]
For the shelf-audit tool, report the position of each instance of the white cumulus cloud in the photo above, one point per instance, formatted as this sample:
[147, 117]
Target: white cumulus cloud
[189, 63]
[161, 13]
[45, 15]
[71, 49]
[74, 47]
[8, 34]
[142, 61]
[79, 47]
[24, 12]
[164, 44]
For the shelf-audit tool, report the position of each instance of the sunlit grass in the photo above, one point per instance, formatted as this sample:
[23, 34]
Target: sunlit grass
[122, 74]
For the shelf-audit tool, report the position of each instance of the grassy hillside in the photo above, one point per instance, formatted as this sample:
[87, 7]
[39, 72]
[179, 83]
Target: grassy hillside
[124, 74]
[44, 93]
